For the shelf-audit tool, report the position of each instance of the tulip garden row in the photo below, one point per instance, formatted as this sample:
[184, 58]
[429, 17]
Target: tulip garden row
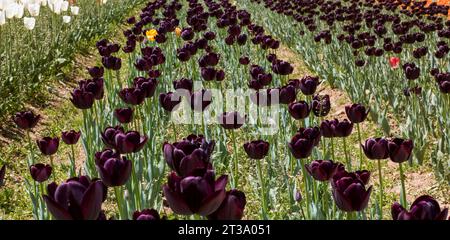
[40, 38]
[393, 56]
[223, 163]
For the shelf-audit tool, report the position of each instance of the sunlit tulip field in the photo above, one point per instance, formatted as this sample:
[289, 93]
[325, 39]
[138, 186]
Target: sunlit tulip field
[224, 110]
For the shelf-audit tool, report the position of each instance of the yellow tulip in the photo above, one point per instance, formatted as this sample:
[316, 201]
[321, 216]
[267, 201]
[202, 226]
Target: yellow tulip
[151, 34]
[178, 31]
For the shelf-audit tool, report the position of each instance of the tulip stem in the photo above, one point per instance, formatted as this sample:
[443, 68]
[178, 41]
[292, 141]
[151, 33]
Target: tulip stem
[117, 193]
[381, 189]
[360, 148]
[332, 148]
[30, 145]
[402, 193]
[53, 168]
[347, 159]
[263, 191]
[305, 183]
[235, 160]
[73, 169]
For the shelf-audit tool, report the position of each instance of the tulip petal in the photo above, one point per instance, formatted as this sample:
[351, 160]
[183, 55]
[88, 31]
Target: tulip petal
[212, 203]
[91, 203]
[176, 202]
[56, 210]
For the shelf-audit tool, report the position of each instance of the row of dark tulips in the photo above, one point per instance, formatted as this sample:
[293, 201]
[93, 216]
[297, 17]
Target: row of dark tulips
[389, 51]
[133, 165]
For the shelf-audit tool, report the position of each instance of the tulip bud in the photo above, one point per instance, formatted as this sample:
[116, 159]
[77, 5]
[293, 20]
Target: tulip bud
[357, 113]
[299, 110]
[40, 172]
[123, 115]
[26, 120]
[70, 137]
[423, 208]
[146, 214]
[48, 145]
[400, 150]
[231, 120]
[256, 149]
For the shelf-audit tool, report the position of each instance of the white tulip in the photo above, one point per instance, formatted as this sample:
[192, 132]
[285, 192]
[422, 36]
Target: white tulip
[66, 19]
[34, 9]
[64, 6]
[104, 1]
[57, 7]
[20, 11]
[75, 10]
[11, 10]
[29, 23]
[2, 18]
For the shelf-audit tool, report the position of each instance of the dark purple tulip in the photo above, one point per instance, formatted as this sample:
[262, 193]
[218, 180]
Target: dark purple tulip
[189, 157]
[209, 35]
[142, 64]
[76, 199]
[231, 120]
[299, 110]
[287, 94]
[349, 192]
[82, 99]
[109, 135]
[106, 154]
[133, 96]
[232, 207]
[357, 113]
[308, 85]
[376, 148]
[220, 75]
[423, 208]
[342, 128]
[323, 170]
[169, 101]
[183, 83]
[311, 133]
[112, 62]
[146, 214]
[48, 145]
[241, 39]
[96, 72]
[298, 196]
[187, 34]
[208, 73]
[244, 60]
[256, 149]
[94, 86]
[301, 147]
[131, 20]
[200, 100]
[444, 87]
[123, 115]
[2, 175]
[321, 105]
[114, 171]
[40, 172]
[70, 137]
[327, 128]
[411, 71]
[26, 119]
[282, 67]
[195, 195]
[146, 85]
[400, 150]
[129, 142]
